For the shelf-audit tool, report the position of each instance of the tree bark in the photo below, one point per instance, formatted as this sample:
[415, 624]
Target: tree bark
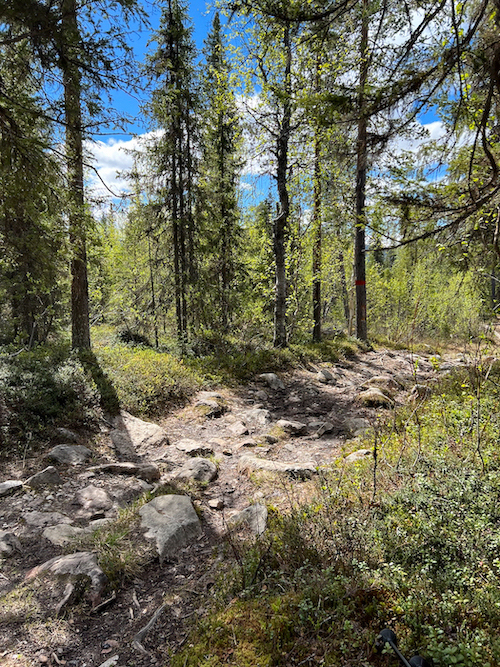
[281, 219]
[361, 166]
[317, 233]
[80, 326]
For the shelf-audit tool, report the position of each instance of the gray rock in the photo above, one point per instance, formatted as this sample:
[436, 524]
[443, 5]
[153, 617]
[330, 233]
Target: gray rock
[272, 380]
[47, 477]
[42, 519]
[326, 427]
[216, 503]
[375, 398]
[259, 416]
[304, 469]
[8, 544]
[93, 499]
[385, 383]
[359, 455]
[62, 534]
[73, 455]
[146, 471]
[212, 403]
[132, 436]
[194, 448]
[325, 377]
[172, 522]
[261, 395]
[238, 428]
[9, 487]
[198, 469]
[291, 427]
[254, 516]
[81, 564]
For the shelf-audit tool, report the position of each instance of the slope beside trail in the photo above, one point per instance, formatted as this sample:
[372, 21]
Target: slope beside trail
[268, 439]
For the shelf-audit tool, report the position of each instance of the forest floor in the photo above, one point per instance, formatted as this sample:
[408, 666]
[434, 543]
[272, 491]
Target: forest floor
[31, 633]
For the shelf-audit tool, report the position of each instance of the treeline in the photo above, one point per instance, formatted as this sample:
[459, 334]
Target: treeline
[320, 98]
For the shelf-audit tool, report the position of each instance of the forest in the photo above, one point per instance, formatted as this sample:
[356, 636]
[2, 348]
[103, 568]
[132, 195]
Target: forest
[363, 222]
[295, 289]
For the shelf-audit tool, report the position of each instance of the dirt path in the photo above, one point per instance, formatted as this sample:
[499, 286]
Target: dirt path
[245, 424]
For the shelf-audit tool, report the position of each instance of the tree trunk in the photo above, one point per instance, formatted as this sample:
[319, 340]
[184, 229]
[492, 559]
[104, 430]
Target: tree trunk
[281, 220]
[80, 326]
[316, 224]
[361, 166]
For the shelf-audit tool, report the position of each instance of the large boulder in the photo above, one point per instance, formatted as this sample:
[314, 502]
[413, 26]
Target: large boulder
[73, 455]
[171, 521]
[197, 469]
[133, 436]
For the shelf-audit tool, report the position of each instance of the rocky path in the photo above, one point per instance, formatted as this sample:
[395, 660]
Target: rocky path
[224, 457]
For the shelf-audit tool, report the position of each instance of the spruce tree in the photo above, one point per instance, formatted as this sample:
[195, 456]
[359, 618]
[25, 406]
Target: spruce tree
[219, 172]
[172, 154]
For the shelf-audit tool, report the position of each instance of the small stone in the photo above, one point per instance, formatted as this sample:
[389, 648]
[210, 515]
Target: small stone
[326, 427]
[270, 439]
[62, 534]
[198, 469]
[375, 398]
[325, 377]
[248, 442]
[261, 395]
[8, 544]
[145, 471]
[9, 487]
[92, 498]
[238, 428]
[216, 503]
[291, 427]
[259, 416]
[47, 477]
[272, 380]
[254, 516]
[194, 448]
[70, 454]
[359, 455]
[42, 519]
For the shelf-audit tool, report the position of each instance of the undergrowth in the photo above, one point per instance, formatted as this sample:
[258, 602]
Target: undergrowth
[408, 540]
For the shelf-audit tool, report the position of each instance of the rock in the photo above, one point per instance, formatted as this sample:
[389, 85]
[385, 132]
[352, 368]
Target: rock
[325, 377]
[385, 383]
[62, 534]
[211, 404]
[270, 439]
[146, 471]
[247, 442]
[375, 398]
[172, 522]
[77, 565]
[93, 499]
[420, 391]
[194, 448]
[42, 519]
[110, 662]
[198, 469]
[305, 469]
[259, 416]
[47, 477]
[357, 426]
[326, 427]
[238, 428]
[131, 435]
[254, 516]
[261, 395]
[216, 503]
[291, 427]
[73, 455]
[358, 455]
[65, 435]
[272, 380]
[9, 487]
[8, 544]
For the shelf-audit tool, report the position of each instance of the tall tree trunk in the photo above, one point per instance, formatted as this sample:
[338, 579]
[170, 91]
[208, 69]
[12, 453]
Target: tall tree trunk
[281, 219]
[361, 166]
[80, 326]
[316, 224]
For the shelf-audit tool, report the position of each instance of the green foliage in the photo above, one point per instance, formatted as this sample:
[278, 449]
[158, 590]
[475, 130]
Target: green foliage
[147, 381]
[41, 390]
[418, 294]
[422, 558]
